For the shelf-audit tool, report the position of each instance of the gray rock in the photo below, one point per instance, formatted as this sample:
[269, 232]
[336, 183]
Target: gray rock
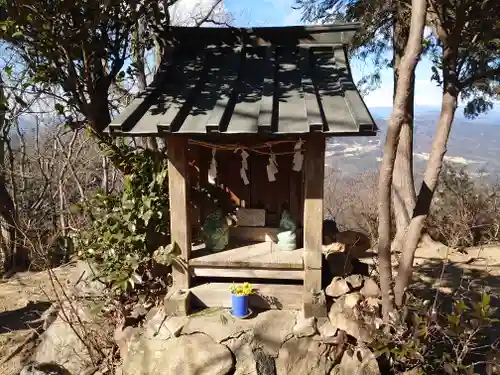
[44, 369]
[265, 363]
[195, 354]
[161, 326]
[218, 324]
[355, 281]
[123, 337]
[304, 327]
[345, 315]
[272, 328]
[243, 353]
[87, 282]
[360, 362]
[326, 330]
[303, 356]
[250, 359]
[60, 344]
[269, 328]
[338, 287]
[373, 302]
[370, 288]
[139, 311]
[154, 325]
[175, 324]
[353, 299]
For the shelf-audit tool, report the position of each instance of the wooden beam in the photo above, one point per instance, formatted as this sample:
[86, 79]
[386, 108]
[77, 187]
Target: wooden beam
[248, 273]
[314, 170]
[180, 228]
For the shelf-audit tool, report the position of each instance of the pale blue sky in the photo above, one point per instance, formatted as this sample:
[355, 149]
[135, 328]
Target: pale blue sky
[280, 13]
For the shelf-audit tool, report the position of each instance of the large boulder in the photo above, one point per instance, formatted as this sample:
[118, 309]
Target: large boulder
[326, 331]
[217, 323]
[370, 289]
[44, 369]
[250, 358]
[243, 354]
[72, 339]
[159, 325]
[304, 327]
[265, 363]
[337, 288]
[272, 329]
[87, 283]
[195, 354]
[361, 361]
[269, 328]
[345, 314]
[303, 356]
[355, 281]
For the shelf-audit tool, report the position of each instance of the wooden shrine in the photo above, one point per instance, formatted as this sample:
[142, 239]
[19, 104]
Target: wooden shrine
[250, 109]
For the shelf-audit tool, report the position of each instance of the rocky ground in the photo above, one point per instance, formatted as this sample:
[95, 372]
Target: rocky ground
[212, 341]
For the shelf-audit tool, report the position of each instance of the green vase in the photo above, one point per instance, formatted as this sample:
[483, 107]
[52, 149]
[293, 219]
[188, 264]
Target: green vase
[287, 238]
[216, 231]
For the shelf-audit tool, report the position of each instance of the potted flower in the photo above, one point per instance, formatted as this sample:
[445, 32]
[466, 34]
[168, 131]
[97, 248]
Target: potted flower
[239, 299]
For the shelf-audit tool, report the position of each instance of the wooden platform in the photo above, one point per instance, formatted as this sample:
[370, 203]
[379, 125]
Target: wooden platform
[267, 296]
[263, 260]
[260, 255]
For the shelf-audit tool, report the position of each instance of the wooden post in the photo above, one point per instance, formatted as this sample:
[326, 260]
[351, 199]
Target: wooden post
[180, 228]
[314, 170]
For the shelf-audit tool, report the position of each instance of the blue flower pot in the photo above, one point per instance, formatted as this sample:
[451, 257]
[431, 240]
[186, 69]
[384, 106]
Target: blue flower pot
[240, 306]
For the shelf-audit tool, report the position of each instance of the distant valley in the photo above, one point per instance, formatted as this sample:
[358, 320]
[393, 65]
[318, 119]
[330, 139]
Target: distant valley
[474, 144]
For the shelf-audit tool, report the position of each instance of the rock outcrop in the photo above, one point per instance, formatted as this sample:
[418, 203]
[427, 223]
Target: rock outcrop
[75, 340]
[196, 354]
[303, 356]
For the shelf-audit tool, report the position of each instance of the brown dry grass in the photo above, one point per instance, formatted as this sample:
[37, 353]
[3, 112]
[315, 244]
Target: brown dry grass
[465, 211]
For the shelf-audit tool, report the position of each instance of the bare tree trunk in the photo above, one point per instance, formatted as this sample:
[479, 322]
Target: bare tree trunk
[7, 218]
[62, 217]
[432, 171]
[22, 163]
[68, 155]
[105, 175]
[7, 207]
[138, 57]
[404, 195]
[396, 121]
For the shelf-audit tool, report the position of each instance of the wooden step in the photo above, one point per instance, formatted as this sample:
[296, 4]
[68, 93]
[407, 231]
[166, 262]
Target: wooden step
[267, 296]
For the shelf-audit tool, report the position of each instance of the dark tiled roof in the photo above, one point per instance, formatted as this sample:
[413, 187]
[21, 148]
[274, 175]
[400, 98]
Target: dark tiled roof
[288, 80]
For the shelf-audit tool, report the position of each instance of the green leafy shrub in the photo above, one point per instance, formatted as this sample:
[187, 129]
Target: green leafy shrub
[128, 228]
[453, 343]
